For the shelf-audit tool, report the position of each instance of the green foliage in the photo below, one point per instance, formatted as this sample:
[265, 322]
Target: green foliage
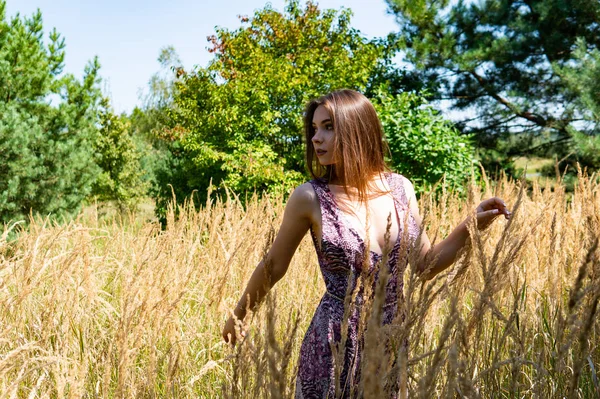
[143, 125]
[501, 60]
[117, 155]
[424, 147]
[239, 121]
[159, 161]
[47, 163]
[583, 151]
[582, 80]
[587, 150]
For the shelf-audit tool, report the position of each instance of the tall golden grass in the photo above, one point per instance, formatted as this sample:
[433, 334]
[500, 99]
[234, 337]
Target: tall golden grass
[97, 308]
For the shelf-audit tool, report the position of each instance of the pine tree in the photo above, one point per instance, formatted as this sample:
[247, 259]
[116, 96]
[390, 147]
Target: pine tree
[48, 122]
[517, 66]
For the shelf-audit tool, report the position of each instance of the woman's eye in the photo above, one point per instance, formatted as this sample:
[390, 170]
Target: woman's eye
[329, 127]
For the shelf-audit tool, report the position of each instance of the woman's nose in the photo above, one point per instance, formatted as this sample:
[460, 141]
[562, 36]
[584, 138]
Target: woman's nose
[317, 138]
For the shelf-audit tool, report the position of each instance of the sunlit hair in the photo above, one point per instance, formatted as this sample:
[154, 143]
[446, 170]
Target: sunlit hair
[359, 148]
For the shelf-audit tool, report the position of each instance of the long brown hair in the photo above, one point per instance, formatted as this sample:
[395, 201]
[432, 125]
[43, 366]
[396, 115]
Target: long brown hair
[359, 147]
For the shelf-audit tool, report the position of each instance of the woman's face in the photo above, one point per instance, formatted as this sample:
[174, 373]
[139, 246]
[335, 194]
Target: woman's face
[323, 139]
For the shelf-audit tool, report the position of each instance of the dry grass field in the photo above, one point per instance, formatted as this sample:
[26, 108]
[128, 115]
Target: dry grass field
[114, 308]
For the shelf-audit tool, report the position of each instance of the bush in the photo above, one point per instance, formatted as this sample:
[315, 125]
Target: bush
[424, 147]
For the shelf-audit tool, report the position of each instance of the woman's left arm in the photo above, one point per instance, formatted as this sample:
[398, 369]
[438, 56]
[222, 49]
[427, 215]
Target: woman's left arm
[436, 259]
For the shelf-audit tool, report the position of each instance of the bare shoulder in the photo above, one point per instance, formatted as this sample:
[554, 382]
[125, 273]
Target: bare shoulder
[303, 201]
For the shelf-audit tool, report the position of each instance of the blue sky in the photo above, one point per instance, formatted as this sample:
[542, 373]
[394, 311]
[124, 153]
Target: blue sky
[127, 35]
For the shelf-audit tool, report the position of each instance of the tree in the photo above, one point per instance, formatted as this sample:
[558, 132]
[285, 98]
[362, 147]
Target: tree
[121, 179]
[239, 120]
[148, 121]
[582, 80]
[161, 85]
[501, 59]
[47, 123]
[424, 147]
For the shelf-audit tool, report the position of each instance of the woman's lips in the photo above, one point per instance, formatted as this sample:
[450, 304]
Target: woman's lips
[321, 152]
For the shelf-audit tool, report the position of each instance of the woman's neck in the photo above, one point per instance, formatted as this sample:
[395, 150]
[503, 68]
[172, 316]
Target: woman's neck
[335, 181]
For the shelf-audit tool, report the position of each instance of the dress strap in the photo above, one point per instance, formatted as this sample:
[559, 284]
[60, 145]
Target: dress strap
[320, 187]
[396, 182]
[329, 221]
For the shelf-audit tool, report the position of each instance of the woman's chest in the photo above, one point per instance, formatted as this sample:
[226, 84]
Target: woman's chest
[379, 222]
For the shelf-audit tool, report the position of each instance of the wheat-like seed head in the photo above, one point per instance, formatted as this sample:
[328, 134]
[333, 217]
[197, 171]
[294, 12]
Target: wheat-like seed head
[116, 307]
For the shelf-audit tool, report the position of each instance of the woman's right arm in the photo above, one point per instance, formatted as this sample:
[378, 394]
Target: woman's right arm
[297, 219]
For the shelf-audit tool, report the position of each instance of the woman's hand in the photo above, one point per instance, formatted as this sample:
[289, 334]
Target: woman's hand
[229, 333]
[489, 210]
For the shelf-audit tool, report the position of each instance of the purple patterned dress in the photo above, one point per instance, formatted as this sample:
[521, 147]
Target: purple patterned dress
[340, 253]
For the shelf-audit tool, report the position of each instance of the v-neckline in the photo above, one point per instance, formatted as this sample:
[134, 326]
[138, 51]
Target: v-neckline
[341, 215]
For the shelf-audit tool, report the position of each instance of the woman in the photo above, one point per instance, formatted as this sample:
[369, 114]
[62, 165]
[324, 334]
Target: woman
[346, 208]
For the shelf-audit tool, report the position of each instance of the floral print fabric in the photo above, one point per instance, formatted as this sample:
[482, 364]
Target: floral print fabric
[341, 256]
